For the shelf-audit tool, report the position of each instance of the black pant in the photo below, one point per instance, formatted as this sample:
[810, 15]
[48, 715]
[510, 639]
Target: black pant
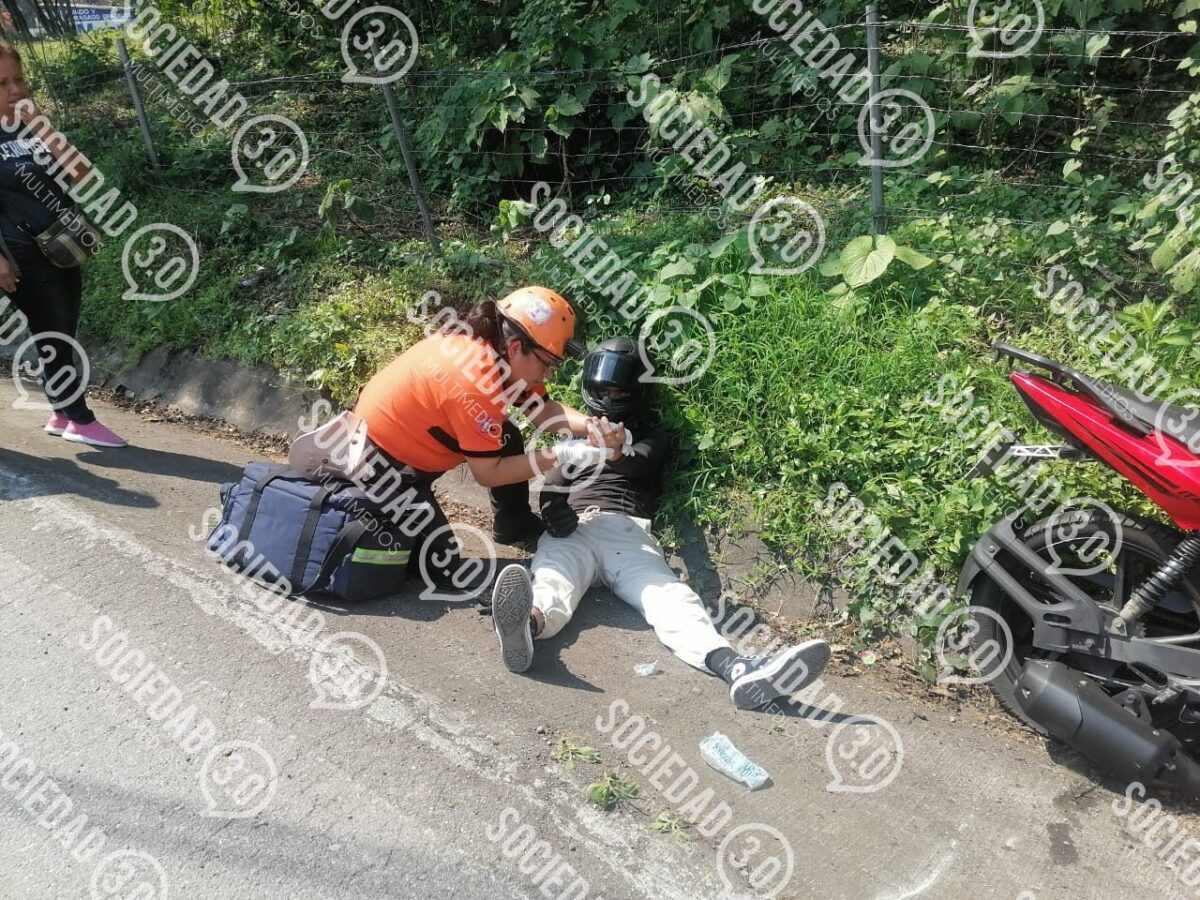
[510, 502]
[50, 298]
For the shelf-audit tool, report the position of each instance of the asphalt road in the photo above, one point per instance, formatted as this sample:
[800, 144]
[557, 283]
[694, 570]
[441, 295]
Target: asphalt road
[174, 708]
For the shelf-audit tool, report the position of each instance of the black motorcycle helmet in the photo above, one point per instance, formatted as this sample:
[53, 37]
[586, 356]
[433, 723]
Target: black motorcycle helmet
[616, 363]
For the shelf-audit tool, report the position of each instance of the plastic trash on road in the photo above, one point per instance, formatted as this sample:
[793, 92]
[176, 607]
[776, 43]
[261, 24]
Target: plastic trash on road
[718, 751]
[646, 669]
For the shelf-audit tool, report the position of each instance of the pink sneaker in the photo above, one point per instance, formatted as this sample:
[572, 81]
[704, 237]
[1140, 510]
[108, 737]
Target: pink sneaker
[95, 434]
[58, 423]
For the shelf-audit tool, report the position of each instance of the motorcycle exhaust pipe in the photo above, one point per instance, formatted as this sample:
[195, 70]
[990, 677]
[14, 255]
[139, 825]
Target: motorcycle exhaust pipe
[1073, 709]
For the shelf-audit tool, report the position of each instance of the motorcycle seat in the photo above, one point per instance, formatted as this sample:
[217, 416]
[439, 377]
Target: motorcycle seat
[1179, 421]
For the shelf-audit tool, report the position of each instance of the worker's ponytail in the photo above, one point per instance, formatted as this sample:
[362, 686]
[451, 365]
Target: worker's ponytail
[486, 324]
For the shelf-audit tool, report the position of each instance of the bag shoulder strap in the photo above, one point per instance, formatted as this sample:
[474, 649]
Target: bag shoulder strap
[255, 498]
[304, 545]
[342, 544]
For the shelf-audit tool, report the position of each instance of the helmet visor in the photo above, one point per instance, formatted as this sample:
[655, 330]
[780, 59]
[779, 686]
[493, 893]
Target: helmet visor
[612, 369]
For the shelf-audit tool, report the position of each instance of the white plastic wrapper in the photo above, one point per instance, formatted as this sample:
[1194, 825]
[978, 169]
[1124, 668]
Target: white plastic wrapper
[720, 753]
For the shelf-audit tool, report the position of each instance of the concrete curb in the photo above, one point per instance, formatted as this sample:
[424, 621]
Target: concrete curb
[251, 398]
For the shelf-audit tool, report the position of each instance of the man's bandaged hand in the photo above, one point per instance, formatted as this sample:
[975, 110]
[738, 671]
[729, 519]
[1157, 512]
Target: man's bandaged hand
[626, 447]
[613, 436]
[579, 454]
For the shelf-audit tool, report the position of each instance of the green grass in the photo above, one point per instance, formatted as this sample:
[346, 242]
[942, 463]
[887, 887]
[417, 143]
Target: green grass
[807, 388]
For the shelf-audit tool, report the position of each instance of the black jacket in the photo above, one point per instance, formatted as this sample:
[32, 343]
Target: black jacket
[632, 485]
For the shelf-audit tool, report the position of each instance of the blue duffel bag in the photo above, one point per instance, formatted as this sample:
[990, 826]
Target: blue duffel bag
[298, 536]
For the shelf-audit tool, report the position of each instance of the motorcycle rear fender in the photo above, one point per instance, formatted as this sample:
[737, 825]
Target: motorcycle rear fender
[1077, 611]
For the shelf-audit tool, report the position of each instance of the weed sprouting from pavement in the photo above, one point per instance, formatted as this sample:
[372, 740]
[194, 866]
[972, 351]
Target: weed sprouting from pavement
[670, 822]
[612, 791]
[568, 752]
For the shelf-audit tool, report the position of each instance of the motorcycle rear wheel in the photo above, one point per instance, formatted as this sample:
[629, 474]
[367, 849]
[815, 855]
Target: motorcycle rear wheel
[1144, 545]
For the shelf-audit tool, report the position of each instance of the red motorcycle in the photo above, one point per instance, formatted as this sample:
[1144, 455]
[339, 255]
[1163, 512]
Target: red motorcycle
[1097, 611]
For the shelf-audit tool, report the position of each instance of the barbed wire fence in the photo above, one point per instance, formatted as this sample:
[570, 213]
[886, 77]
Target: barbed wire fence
[1001, 124]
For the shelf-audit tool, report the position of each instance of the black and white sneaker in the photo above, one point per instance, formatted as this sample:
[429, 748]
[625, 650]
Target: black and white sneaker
[756, 682]
[512, 600]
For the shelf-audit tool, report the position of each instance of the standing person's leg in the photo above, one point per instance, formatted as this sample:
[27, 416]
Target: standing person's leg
[513, 522]
[634, 566]
[50, 298]
[525, 607]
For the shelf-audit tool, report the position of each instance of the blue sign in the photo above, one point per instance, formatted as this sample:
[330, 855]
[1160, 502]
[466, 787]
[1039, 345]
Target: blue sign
[89, 18]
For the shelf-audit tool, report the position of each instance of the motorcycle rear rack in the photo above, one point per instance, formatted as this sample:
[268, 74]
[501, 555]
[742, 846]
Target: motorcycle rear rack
[1093, 388]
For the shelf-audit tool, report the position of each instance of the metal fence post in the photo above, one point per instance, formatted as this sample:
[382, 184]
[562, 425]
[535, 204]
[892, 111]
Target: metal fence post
[878, 223]
[410, 163]
[137, 101]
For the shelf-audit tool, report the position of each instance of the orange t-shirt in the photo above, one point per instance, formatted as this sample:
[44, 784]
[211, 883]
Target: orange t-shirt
[437, 403]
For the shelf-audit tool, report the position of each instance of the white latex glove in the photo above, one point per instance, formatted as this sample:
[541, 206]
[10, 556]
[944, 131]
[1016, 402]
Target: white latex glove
[578, 454]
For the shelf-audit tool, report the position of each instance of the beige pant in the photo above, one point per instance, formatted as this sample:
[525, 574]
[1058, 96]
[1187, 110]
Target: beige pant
[620, 552]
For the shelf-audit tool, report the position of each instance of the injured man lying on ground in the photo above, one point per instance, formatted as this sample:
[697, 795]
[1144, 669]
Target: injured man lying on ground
[598, 532]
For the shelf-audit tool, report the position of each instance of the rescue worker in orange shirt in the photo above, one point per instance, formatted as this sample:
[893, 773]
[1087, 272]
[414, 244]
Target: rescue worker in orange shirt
[446, 400]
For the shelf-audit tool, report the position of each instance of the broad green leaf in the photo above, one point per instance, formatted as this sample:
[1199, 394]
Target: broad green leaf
[561, 127]
[1095, 45]
[1148, 211]
[573, 57]
[1057, 228]
[1185, 272]
[718, 76]
[720, 245]
[1071, 166]
[832, 267]
[913, 258]
[568, 105]
[538, 146]
[1162, 258]
[637, 65]
[675, 269]
[865, 258]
